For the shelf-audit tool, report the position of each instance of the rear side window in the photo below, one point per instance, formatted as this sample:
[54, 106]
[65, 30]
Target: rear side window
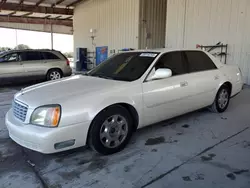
[49, 55]
[173, 61]
[31, 56]
[198, 61]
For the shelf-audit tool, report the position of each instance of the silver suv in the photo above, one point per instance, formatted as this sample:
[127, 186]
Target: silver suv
[49, 64]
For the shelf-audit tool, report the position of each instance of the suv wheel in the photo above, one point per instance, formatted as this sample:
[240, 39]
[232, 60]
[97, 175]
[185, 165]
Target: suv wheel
[54, 74]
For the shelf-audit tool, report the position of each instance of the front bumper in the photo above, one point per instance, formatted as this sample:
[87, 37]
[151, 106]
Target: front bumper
[44, 139]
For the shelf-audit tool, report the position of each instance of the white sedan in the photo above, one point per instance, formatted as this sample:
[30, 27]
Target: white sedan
[128, 91]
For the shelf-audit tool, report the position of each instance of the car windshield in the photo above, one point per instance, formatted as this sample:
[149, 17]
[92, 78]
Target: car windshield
[128, 66]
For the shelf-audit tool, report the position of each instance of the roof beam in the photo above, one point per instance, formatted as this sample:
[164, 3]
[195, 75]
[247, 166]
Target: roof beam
[32, 20]
[21, 2]
[57, 17]
[39, 2]
[68, 18]
[2, 3]
[46, 17]
[37, 9]
[12, 13]
[57, 3]
[74, 3]
[27, 14]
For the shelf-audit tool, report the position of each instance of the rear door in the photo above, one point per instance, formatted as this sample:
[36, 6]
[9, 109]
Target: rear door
[10, 66]
[203, 78]
[50, 58]
[34, 63]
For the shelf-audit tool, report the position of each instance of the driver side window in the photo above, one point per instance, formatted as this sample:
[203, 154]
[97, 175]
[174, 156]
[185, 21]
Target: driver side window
[13, 57]
[173, 61]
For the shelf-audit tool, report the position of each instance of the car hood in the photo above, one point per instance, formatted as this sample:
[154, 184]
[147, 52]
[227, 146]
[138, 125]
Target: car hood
[54, 92]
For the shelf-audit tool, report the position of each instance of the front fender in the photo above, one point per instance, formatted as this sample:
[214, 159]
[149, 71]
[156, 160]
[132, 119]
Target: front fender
[85, 107]
[112, 101]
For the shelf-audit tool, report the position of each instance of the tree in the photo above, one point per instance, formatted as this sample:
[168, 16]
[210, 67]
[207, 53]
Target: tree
[5, 49]
[68, 54]
[21, 47]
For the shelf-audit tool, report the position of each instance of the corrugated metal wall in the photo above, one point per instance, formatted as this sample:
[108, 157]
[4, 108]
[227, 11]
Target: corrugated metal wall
[152, 23]
[116, 23]
[191, 22]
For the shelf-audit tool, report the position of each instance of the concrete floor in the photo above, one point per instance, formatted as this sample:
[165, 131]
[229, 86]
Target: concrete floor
[200, 149]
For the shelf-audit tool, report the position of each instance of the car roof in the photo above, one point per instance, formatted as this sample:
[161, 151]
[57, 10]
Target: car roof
[163, 50]
[28, 50]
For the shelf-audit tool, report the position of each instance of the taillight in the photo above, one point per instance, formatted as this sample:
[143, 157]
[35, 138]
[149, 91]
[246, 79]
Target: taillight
[239, 75]
[67, 62]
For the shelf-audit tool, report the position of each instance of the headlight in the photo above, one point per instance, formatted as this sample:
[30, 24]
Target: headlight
[48, 116]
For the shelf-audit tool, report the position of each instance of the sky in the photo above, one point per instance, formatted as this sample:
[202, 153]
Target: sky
[36, 40]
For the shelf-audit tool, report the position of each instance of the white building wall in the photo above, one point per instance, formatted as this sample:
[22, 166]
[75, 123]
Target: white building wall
[207, 22]
[116, 23]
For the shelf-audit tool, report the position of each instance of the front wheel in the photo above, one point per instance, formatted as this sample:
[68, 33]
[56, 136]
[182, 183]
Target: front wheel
[111, 130]
[222, 99]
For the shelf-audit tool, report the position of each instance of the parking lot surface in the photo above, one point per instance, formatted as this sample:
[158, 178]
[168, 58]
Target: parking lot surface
[200, 149]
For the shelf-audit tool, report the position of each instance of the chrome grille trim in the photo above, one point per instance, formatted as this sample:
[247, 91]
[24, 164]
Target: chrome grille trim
[20, 110]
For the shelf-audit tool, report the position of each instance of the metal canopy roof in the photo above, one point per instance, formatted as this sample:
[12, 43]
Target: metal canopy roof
[56, 12]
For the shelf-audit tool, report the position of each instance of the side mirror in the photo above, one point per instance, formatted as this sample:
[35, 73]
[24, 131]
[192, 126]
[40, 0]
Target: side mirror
[161, 74]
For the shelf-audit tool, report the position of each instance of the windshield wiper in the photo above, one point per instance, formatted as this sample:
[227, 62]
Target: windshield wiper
[103, 76]
[85, 74]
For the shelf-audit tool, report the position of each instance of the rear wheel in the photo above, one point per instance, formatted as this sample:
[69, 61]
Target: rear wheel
[111, 130]
[222, 99]
[54, 74]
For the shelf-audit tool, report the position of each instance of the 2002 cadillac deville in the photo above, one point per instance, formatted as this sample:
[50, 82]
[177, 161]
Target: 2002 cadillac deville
[128, 91]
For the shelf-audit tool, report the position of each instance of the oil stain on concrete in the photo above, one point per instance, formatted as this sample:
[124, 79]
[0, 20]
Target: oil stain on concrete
[186, 126]
[97, 164]
[186, 178]
[231, 176]
[208, 158]
[127, 168]
[246, 144]
[199, 177]
[154, 150]
[69, 176]
[155, 141]
[241, 172]
[179, 134]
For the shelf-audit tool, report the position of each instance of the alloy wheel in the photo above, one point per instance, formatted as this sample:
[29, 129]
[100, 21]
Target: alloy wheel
[223, 98]
[114, 131]
[54, 75]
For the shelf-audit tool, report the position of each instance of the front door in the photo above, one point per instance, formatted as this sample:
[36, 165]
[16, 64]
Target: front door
[10, 66]
[166, 98]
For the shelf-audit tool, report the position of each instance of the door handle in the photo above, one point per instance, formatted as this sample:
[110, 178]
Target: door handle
[184, 84]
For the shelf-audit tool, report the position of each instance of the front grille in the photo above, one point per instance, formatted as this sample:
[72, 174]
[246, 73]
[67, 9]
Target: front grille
[20, 110]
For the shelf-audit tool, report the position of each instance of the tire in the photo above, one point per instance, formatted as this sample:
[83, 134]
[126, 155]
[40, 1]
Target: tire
[219, 106]
[54, 74]
[111, 130]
